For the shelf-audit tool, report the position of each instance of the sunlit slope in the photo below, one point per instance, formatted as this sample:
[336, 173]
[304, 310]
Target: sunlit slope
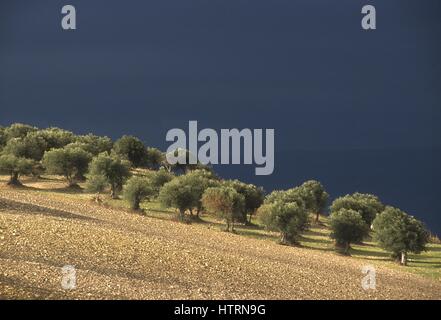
[118, 254]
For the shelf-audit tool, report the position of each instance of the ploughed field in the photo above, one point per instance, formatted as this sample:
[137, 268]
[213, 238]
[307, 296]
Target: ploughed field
[119, 254]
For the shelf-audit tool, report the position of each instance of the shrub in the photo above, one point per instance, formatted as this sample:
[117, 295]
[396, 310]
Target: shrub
[347, 227]
[136, 190]
[289, 219]
[400, 233]
[70, 163]
[224, 202]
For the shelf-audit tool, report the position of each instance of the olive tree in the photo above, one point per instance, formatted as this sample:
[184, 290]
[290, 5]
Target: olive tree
[289, 219]
[55, 138]
[185, 192]
[30, 147]
[3, 138]
[310, 194]
[199, 180]
[400, 233]
[97, 184]
[78, 145]
[132, 149]
[114, 170]
[18, 130]
[154, 158]
[315, 197]
[293, 195]
[179, 195]
[15, 167]
[347, 226]
[253, 196]
[95, 144]
[185, 163]
[136, 190]
[70, 163]
[224, 202]
[22, 154]
[158, 178]
[367, 205]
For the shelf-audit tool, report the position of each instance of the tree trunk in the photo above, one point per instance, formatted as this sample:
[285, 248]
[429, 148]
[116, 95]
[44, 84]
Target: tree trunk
[136, 204]
[346, 247]
[70, 181]
[283, 238]
[98, 198]
[181, 215]
[317, 217]
[13, 181]
[403, 258]
[113, 192]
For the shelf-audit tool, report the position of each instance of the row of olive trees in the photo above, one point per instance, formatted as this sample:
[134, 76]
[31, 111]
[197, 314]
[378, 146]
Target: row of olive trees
[26, 150]
[288, 211]
[190, 193]
[353, 216]
[351, 220]
[197, 190]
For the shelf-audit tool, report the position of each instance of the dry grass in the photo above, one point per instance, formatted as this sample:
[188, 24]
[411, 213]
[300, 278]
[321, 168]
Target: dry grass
[120, 254]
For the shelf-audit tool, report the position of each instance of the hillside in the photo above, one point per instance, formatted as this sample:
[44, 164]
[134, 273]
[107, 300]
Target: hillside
[121, 254]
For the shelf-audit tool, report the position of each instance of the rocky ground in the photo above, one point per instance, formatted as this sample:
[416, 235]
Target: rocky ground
[122, 255]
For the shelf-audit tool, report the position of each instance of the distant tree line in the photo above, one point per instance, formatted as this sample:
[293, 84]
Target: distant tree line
[112, 167]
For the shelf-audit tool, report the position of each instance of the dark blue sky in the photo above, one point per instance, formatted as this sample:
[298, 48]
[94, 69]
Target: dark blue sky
[358, 110]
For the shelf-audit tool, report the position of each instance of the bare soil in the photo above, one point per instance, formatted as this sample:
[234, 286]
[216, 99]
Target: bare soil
[123, 255]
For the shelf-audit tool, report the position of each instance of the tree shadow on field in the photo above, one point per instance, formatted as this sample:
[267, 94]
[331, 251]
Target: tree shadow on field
[322, 249]
[76, 189]
[163, 217]
[366, 244]
[314, 233]
[255, 234]
[33, 209]
[374, 255]
[430, 264]
[313, 240]
[251, 226]
[65, 190]
[160, 211]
